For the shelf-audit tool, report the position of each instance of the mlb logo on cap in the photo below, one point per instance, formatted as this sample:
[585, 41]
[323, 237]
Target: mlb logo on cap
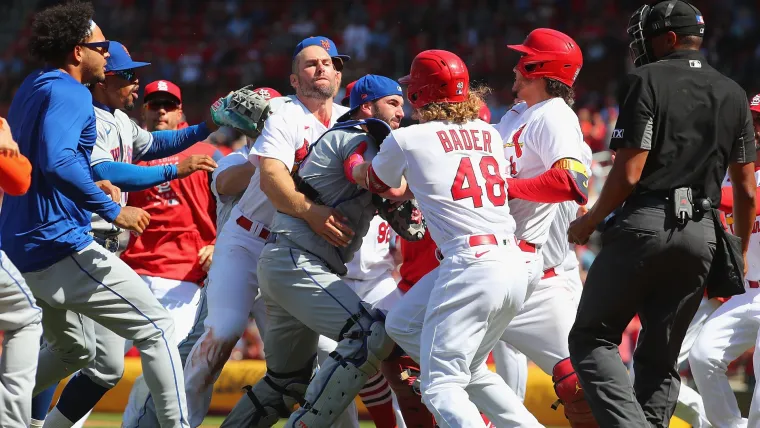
[700, 20]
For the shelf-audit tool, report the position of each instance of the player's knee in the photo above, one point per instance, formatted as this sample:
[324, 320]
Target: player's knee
[157, 328]
[364, 341]
[110, 369]
[227, 326]
[395, 326]
[76, 354]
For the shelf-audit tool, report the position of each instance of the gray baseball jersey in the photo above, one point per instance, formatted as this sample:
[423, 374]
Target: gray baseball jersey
[119, 139]
[323, 171]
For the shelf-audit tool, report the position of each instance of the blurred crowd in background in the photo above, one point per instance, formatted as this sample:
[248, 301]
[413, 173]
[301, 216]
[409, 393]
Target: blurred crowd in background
[208, 46]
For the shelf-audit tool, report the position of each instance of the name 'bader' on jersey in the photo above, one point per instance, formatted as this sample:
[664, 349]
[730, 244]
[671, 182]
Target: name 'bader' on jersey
[470, 140]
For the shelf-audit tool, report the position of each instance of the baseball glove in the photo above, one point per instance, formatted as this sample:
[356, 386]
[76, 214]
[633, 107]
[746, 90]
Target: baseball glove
[404, 217]
[244, 110]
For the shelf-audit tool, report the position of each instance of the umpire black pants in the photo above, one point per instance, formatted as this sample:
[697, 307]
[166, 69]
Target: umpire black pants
[654, 267]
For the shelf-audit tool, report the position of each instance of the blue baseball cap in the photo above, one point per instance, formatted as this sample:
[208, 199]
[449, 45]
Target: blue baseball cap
[370, 88]
[120, 58]
[324, 43]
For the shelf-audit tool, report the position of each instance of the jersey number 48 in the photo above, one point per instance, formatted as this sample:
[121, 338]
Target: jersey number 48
[466, 176]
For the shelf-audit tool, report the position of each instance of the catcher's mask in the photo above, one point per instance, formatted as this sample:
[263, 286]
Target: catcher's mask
[639, 47]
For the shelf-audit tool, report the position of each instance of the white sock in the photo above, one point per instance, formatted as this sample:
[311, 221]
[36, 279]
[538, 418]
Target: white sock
[36, 423]
[55, 419]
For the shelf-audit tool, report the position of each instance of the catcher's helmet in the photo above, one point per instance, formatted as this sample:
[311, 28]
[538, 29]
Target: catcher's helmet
[436, 76]
[551, 54]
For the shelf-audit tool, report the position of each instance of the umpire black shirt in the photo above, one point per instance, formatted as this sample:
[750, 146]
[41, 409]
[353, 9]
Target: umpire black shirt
[691, 118]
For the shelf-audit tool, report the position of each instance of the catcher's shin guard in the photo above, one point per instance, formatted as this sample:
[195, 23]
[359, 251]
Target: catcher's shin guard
[273, 397]
[363, 345]
[570, 394]
[402, 374]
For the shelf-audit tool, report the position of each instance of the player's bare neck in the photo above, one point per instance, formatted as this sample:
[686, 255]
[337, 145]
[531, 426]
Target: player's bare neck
[72, 71]
[533, 99]
[321, 109]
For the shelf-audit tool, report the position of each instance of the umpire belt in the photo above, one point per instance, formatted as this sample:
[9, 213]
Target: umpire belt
[108, 241]
[258, 229]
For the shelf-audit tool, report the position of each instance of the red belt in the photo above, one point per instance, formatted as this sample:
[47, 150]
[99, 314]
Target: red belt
[246, 224]
[526, 246]
[476, 240]
[549, 273]
[754, 284]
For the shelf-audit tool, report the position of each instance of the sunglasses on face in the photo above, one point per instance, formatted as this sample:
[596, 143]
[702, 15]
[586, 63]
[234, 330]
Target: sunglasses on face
[99, 47]
[128, 75]
[162, 104]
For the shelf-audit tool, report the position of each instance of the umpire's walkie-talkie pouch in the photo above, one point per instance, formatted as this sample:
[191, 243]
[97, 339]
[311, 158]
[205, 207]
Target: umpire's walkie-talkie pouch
[683, 204]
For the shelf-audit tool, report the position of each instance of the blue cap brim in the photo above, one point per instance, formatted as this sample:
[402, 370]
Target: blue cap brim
[129, 66]
[347, 115]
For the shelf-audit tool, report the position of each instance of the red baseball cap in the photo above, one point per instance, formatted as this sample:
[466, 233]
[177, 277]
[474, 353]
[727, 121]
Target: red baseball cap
[152, 89]
[267, 93]
[754, 105]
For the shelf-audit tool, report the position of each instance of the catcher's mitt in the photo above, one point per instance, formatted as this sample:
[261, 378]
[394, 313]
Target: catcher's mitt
[243, 109]
[404, 217]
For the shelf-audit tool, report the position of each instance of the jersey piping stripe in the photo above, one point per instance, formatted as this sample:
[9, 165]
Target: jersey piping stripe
[163, 334]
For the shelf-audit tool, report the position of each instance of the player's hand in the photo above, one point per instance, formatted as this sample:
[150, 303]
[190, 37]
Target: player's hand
[195, 163]
[109, 189]
[132, 218]
[204, 257]
[580, 230]
[8, 147]
[329, 224]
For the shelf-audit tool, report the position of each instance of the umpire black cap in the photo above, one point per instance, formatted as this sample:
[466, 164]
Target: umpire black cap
[670, 15]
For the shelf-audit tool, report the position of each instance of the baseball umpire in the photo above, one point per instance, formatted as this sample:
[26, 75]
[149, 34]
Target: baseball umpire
[681, 125]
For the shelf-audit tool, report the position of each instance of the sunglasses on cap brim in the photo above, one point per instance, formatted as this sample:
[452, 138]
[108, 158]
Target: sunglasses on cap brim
[128, 75]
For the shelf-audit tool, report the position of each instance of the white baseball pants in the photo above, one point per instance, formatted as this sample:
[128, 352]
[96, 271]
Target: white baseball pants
[730, 331]
[450, 321]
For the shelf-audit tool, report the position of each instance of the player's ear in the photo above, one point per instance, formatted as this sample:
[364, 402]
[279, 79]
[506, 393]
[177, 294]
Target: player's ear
[294, 81]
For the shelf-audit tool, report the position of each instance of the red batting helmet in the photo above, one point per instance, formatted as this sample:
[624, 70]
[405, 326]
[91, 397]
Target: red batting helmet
[346, 101]
[436, 76]
[551, 54]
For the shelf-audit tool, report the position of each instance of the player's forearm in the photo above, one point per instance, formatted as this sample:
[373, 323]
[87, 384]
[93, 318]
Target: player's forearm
[553, 186]
[744, 190]
[131, 178]
[727, 200]
[15, 174]
[167, 143]
[280, 188]
[235, 179]
[621, 181]
[67, 175]
[359, 174]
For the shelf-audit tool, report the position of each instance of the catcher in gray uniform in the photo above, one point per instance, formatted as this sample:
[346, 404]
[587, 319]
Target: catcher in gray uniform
[300, 277]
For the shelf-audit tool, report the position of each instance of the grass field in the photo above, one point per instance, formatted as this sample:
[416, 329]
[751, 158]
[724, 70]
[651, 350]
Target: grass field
[113, 420]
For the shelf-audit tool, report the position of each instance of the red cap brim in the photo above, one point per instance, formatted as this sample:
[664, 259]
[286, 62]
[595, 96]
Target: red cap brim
[522, 49]
[405, 80]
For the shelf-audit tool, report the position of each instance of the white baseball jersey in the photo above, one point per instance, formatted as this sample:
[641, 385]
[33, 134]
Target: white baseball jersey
[557, 245]
[119, 139]
[753, 254]
[225, 203]
[286, 136]
[455, 172]
[374, 257]
[534, 140]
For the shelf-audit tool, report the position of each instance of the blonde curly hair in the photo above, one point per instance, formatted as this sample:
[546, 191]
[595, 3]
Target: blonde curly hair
[458, 113]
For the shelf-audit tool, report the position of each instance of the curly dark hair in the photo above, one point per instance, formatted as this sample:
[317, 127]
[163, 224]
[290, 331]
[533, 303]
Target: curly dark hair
[558, 89]
[58, 29]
